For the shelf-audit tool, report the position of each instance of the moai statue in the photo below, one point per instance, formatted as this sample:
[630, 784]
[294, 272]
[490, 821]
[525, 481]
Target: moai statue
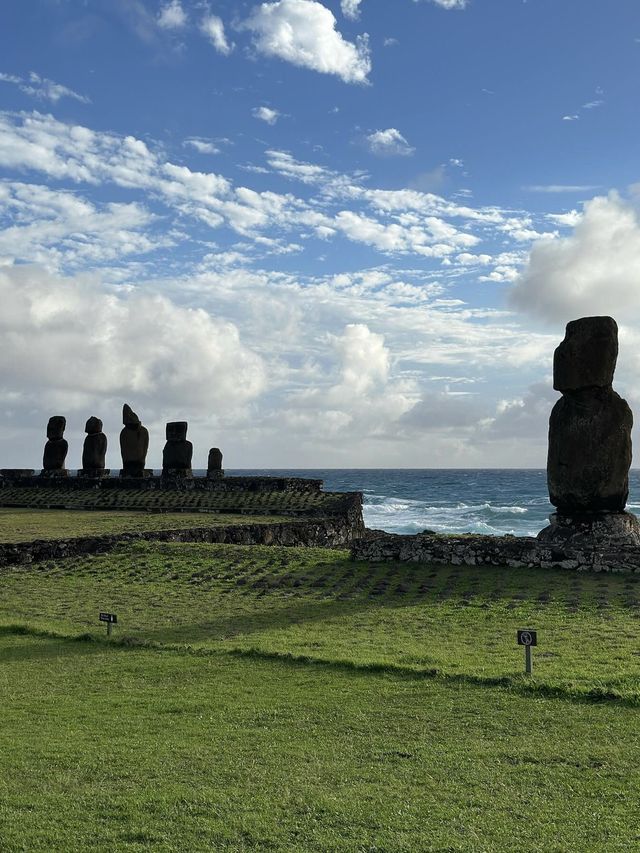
[589, 439]
[214, 464]
[94, 450]
[177, 453]
[134, 443]
[55, 450]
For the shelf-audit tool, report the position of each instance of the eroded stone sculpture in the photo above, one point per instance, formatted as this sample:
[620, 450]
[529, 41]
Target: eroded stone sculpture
[214, 463]
[94, 449]
[589, 437]
[134, 443]
[55, 450]
[178, 452]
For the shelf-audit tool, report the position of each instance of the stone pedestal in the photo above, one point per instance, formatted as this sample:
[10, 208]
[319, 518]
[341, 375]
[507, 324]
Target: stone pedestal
[177, 473]
[215, 475]
[14, 473]
[136, 472]
[94, 473]
[591, 530]
[54, 473]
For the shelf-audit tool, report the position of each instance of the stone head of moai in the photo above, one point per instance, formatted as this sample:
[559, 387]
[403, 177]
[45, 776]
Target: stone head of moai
[590, 426]
[56, 427]
[134, 443]
[176, 431]
[55, 450]
[178, 452]
[94, 449]
[587, 356]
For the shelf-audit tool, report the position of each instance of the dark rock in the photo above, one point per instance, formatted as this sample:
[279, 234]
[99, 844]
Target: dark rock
[178, 452]
[587, 356]
[95, 446]
[134, 443]
[55, 450]
[214, 463]
[589, 451]
[590, 530]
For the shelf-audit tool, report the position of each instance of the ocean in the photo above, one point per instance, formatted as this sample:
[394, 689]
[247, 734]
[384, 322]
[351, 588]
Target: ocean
[488, 501]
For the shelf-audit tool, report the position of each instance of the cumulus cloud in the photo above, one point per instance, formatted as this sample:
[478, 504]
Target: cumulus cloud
[75, 344]
[266, 114]
[172, 16]
[213, 28]
[350, 8]
[304, 33]
[594, 270]
[43, 88]
[202, 146]
[389, 143]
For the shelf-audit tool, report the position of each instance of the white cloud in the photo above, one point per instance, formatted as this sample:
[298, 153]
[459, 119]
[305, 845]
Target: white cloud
[43, 88]
[202, 146]
[570, 118]
[213, 28]
[75, 344]
[350, 8]
[172, 16]
[389, 143]
[304, 33]
[561, 188]
[449, 4]
[592, 271]
[266, 114]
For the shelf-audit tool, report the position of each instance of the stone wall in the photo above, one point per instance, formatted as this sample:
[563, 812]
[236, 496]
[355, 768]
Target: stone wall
[14, 477]
[471, 550]
[319, 533]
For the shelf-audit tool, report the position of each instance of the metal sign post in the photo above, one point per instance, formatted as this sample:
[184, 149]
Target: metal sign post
[111, 619]
[528, 638]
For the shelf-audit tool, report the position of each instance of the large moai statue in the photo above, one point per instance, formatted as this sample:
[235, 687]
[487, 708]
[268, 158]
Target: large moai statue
[134, 443]
[214, 464]
[589, 440]
[55, 450]
[178, 452]
[94, 450]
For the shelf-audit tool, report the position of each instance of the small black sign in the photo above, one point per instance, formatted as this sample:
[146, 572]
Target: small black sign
[527, 638]
[108, 617]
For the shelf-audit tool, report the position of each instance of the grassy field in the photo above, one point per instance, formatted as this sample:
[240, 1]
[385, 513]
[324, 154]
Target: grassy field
[23, 525]
[259, 698]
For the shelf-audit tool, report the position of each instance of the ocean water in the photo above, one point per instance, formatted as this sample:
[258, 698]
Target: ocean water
[487, 501]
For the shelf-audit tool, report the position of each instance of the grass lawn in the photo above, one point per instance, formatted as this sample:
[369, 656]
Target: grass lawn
[259, 698]
[22, 525]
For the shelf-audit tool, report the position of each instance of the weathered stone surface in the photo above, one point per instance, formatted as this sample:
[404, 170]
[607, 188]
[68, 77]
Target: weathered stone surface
[589, 451]
[587, 356]
[95, 447]
[55, 450]
[134, 443]
[214, 463]
[178, 452]
[592, 530]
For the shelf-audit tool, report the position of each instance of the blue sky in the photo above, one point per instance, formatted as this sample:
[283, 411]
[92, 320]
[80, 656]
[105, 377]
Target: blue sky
[326, 234]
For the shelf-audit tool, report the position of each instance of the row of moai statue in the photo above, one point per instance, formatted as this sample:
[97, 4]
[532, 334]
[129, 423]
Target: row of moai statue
[134, 444]
[589, 453]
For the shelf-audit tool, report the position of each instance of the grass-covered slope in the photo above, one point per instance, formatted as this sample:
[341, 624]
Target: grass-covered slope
[291, 700]
[24, 525]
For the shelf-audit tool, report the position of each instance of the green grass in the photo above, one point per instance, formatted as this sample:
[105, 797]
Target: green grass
[23, 525]
[288, 699]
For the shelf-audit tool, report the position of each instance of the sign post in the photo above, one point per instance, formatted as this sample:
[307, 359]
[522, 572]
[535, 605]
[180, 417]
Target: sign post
[528, 638]
[111, 619]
